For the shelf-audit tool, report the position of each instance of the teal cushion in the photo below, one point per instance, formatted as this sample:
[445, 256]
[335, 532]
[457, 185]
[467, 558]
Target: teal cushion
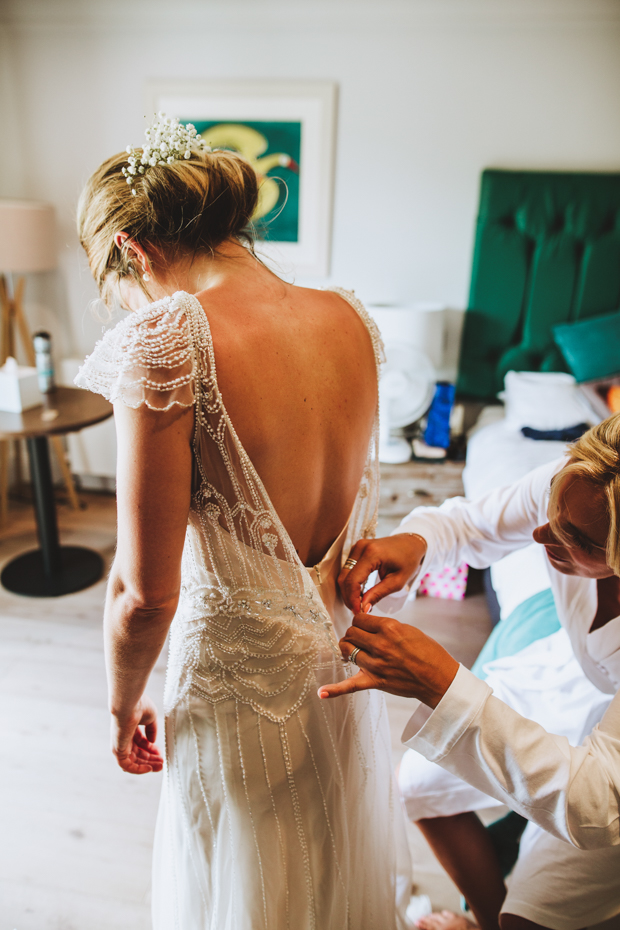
[534, 619]
[591, 347]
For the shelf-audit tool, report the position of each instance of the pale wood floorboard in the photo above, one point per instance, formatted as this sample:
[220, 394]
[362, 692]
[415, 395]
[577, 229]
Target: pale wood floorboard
[77, 832]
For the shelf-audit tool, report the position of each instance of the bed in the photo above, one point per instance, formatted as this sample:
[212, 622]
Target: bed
[546, 252]
[499, 454]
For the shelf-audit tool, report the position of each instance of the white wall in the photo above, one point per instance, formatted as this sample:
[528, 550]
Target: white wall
[431, 92]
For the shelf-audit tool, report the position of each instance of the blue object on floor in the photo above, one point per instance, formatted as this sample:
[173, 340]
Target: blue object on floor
[437, 432]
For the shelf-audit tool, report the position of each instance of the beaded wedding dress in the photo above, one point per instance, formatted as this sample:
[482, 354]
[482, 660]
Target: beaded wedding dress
[278, 810]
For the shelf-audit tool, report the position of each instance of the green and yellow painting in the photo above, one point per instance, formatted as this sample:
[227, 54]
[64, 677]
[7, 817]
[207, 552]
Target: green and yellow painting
[274, 149]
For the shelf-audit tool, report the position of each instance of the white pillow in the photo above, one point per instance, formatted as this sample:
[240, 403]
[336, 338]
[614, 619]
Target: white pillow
[544, 400]
[518, 576]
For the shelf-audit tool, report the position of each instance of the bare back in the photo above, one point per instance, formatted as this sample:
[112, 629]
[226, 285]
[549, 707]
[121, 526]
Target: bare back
[297, 375]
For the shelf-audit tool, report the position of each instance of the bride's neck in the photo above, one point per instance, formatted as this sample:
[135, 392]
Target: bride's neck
[192, 274]
[201, 272]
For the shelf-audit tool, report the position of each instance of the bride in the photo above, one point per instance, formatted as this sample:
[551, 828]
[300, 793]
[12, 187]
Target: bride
[246, 413]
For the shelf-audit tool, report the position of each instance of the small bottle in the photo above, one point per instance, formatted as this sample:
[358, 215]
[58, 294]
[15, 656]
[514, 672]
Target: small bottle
[45, 366]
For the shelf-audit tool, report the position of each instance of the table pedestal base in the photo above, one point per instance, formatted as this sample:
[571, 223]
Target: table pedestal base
[79, 568]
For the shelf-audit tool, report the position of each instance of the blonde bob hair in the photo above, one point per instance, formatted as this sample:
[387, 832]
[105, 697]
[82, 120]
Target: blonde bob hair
[596, 458]
[188, 207]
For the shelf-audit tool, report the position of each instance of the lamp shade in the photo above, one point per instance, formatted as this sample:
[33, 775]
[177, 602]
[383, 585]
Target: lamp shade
[27, 236]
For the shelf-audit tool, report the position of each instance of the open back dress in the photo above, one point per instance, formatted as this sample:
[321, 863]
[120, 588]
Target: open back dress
[278, 809]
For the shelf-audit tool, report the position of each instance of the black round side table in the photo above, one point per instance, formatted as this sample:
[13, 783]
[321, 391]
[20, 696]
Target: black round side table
[52, 569]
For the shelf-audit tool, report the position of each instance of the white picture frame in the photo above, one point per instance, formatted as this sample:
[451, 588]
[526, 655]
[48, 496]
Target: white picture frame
[308, 105]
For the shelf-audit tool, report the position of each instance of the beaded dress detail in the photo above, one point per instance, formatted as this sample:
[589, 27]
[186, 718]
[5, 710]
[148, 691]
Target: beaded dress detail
[278, 810]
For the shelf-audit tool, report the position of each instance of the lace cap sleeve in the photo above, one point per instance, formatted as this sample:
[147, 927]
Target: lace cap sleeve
[147, 358]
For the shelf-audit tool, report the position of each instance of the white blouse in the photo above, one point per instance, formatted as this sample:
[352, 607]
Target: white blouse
[483, 531]
[574, 793]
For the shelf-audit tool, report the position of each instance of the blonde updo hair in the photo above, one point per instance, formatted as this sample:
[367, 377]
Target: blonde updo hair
[188, 207]
[595, 457]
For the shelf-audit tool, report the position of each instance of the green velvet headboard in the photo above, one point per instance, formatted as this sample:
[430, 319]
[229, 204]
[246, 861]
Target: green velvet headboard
[547, 251]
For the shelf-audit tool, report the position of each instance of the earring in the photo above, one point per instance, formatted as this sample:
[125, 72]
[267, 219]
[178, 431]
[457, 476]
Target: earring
[146, 276]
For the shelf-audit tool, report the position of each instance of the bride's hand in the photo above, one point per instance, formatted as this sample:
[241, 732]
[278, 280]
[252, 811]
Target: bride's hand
[396, 658]
[396, 558]
[135, 750]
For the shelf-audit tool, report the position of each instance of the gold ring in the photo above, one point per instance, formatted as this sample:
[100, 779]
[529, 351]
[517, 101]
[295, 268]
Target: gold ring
[350, 563]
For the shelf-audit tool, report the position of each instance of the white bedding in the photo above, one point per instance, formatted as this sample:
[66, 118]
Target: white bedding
[497, 455]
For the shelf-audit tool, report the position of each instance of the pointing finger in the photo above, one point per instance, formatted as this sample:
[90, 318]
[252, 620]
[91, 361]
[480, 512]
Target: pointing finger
[360, 682]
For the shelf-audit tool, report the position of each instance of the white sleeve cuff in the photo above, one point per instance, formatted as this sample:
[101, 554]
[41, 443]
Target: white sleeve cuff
[433, 733]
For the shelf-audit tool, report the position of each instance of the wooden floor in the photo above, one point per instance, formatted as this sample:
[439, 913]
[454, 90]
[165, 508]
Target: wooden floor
[76, 831]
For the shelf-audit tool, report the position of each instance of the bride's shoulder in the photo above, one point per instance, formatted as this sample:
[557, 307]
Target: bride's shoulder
[351, 298]
[146, 355]
[373, 330]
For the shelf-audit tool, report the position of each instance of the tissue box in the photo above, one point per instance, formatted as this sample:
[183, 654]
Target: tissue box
[19, 389]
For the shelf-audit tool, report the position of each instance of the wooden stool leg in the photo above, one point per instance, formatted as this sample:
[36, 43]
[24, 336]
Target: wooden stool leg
[20, 321]
[5, 308]
[67, 477]
[4, 480]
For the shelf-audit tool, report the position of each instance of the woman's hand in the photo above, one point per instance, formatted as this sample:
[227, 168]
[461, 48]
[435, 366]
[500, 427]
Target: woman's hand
[394, 657]
[397, 558]
[136, 751]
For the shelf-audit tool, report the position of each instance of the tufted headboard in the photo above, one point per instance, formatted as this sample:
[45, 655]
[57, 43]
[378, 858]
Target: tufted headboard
[547, 251]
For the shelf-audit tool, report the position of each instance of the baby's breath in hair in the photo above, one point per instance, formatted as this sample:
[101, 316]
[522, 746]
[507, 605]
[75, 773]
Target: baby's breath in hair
[183, 208]
[167, 141]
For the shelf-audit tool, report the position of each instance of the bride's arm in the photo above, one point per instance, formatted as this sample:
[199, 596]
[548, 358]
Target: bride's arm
[153, 497]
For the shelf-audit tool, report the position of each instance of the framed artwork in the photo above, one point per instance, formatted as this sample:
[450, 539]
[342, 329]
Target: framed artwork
[287, 130]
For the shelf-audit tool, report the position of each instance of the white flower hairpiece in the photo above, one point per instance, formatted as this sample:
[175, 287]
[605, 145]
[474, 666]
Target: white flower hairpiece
[167, 141]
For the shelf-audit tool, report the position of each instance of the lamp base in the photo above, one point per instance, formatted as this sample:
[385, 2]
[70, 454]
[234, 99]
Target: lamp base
[80, 568]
